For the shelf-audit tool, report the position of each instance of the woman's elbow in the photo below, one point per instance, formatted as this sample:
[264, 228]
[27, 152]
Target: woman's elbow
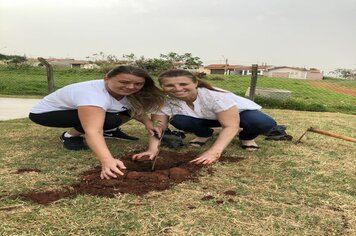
[234, 128]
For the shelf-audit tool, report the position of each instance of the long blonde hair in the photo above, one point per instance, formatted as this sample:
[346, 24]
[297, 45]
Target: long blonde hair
[149, 98]
[185, 73]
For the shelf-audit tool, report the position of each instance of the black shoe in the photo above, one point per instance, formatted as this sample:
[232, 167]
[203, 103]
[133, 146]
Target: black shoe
[278, 133]
[118, 134]
[173, 139]
[73, 143]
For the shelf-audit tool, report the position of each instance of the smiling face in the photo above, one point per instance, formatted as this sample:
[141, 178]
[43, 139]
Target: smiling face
[180, 87]
[124, 84]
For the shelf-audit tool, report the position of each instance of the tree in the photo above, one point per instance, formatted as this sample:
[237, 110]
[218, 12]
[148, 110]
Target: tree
[168, 61]
[172, 58]
[153, 65]
[12, 59]
[185, 61]
[344, 73]
[191, 62]
[129, 57]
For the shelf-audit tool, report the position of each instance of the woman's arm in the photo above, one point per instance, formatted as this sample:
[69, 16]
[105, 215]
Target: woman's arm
[148, 124]
[92, 120]
[160, 122]
[230, 122]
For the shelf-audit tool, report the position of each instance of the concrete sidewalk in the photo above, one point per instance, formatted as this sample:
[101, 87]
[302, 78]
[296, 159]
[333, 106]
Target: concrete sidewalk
[15, 108]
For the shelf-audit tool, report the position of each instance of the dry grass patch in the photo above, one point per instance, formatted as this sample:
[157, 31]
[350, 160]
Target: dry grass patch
[282, 189]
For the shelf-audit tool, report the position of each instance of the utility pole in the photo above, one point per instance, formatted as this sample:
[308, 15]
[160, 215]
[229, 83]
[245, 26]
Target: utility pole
[50, 78]
[253, 83]
[226, 64]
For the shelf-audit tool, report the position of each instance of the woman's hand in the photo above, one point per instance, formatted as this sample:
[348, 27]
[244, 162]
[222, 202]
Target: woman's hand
[229, 121]
[111, 168]
[150, 154]
[206, 158]
[153, 129]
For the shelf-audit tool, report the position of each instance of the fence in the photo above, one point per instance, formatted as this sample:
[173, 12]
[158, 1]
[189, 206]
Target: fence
[333, 95]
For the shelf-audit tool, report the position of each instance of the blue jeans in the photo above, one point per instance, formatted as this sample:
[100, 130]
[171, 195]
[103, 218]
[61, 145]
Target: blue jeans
[253, 122]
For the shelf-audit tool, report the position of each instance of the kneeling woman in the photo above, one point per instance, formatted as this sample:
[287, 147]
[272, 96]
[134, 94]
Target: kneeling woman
[96, 108]
[196, 107]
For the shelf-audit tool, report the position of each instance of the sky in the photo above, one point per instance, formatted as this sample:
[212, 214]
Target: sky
[302, 33]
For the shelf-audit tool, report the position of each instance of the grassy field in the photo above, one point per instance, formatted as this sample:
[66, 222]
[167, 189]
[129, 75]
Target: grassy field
[305, 96]
[282, 189]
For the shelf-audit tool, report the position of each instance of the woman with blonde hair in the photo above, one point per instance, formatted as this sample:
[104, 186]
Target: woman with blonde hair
[194, 106]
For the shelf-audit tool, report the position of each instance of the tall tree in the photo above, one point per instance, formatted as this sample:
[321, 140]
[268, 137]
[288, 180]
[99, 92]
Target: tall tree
[185, 61]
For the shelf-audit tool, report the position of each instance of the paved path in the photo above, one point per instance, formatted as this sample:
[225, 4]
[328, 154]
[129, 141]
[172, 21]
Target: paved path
[14, 108]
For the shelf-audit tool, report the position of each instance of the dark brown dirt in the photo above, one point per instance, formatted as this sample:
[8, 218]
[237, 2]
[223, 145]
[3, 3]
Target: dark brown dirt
[230, 192]
[171, 168]
[23, 170]
[207, 198]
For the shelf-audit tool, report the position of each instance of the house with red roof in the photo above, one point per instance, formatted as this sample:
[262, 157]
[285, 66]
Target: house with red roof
[264, 70]
[293, 73]
[227, 69]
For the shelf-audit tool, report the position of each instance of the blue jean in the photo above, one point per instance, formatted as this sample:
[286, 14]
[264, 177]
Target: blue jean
[253, 122]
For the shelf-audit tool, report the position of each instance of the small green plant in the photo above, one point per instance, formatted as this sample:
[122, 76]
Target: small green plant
[171, 104]
[157, 123]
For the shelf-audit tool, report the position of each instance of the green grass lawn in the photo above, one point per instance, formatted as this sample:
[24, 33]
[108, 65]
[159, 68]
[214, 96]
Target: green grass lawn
[304, 96]
[33, 81]
[282, 189]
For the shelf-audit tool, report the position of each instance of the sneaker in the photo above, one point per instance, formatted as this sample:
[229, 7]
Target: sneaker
[173, 139]
[118, 134]
[278, 133]
[73, 143]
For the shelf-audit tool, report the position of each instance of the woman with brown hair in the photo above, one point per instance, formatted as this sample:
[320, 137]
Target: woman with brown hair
[94, 109]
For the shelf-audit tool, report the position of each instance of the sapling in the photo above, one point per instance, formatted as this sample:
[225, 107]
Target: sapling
[171, 104]
[155, 124]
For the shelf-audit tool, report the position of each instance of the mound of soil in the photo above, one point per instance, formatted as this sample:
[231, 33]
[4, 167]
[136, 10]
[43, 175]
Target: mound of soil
[171, 168]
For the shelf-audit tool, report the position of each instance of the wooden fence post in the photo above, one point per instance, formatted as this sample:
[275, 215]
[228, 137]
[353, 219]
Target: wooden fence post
[50, 78]
[253, 81]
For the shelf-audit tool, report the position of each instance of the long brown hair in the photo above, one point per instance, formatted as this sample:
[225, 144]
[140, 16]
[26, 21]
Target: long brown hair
[185, 73]
[149, 98]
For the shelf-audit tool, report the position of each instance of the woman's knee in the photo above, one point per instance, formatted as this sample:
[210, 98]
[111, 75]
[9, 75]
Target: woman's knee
[265, 126]
[257, 121]
[112, 120]
[34, 118]
[181, 121]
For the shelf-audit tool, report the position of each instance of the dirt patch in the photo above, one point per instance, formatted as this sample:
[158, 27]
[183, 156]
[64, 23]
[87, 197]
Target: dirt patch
[221, 201]
[207, 198]
[25, 170]
[171, 168]
[332, 87]
[230, 193]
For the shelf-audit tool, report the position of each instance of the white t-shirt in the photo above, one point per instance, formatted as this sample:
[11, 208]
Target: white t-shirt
[208, 104]
[89, 93]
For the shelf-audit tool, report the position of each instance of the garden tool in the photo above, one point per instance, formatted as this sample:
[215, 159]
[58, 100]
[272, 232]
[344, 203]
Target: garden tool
[319, 131]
